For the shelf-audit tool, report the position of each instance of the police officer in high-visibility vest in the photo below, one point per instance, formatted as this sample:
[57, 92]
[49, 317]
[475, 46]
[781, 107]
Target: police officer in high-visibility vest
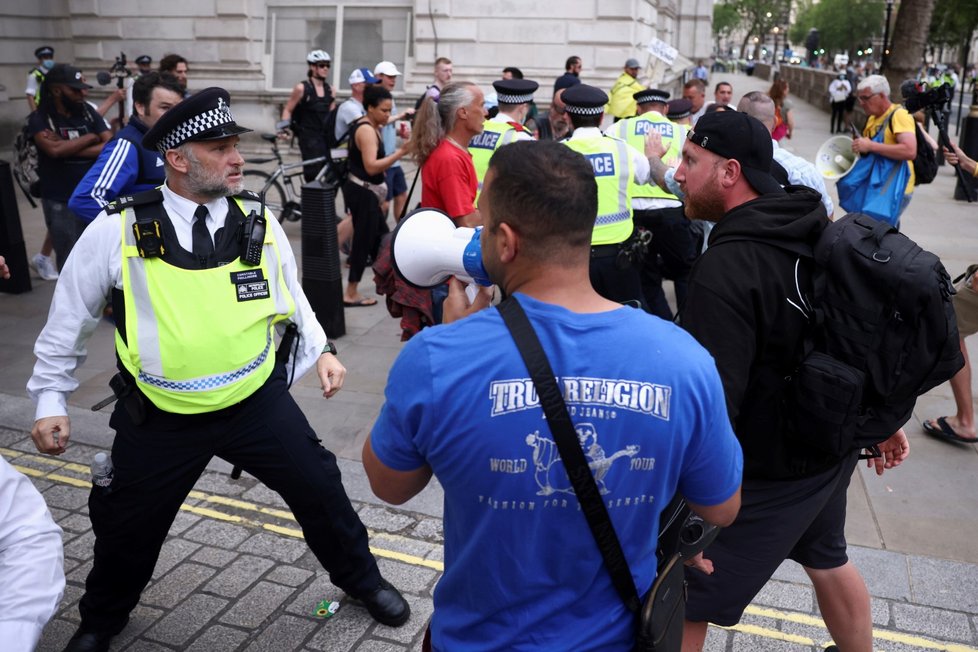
[514, 97]
[200, 282]
[618, 169]
[672, 249]
[45, 61]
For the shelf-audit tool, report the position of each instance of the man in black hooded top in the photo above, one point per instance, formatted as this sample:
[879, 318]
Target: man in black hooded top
[747, 304]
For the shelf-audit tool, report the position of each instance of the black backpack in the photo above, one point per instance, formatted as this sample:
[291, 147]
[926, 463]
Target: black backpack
[339, 168]
[925, 163]
[883, 332]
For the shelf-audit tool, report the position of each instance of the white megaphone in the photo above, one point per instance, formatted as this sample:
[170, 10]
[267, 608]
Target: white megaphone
[835, 157]
[427, 248]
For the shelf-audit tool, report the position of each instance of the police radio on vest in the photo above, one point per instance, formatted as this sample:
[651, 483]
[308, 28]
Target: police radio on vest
[427, 248]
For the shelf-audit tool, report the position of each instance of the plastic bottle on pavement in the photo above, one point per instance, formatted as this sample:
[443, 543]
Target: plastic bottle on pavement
[102, 471]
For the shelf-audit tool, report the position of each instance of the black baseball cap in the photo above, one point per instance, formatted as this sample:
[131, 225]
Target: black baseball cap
[738, 136]
[202, 116]
[62, 73]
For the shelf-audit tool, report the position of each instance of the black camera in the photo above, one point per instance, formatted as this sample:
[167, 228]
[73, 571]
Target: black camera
[917, 96]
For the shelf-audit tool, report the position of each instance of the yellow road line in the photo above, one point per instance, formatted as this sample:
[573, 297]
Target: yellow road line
[878, 634]
[786, 616]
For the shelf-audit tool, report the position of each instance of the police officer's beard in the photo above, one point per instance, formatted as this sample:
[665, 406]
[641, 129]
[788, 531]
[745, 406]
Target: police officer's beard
[206, 183]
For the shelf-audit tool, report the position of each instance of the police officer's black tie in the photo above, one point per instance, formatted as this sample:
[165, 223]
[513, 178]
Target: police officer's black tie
[202, 243]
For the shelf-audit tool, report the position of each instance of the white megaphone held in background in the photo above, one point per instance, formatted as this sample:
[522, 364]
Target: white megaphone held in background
[427, 248]
[835, 158]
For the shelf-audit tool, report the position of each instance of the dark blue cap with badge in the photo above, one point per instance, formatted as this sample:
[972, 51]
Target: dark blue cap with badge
[738, 136]
[202, 116]
[515, 91]
[144, 59]
[584, 100]
[649, 95]
[44, 52]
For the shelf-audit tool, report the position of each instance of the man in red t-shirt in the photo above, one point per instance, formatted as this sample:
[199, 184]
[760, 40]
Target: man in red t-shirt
[448, 177]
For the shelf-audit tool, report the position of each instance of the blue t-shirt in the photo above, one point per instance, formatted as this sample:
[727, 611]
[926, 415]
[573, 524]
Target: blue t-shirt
[522, 571]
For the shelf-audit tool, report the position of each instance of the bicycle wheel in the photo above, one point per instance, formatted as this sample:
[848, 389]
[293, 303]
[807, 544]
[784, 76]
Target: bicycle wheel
[258, 180]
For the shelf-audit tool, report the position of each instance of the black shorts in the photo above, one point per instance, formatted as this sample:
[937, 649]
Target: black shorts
[396, 185]
[802, 520]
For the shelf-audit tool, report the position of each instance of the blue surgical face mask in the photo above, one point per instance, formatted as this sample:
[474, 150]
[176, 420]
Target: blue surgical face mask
[47, 63]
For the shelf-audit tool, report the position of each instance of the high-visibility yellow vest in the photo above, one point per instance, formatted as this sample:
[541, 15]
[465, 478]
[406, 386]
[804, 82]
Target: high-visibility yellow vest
[39, 76]
[613, 170]
[482, 146]
[634, 130]
[200, 340]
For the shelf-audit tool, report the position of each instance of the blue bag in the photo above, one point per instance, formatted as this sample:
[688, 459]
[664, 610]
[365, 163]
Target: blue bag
[875, 185]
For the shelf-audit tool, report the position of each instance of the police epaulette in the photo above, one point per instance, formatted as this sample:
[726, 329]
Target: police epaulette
[248, 194]
[153, 196]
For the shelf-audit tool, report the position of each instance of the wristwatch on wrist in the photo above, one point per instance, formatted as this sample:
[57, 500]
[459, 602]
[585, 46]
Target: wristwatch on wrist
[329, 348]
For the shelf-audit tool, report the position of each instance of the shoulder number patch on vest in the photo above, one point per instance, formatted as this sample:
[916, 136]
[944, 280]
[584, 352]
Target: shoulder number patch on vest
[250, 285]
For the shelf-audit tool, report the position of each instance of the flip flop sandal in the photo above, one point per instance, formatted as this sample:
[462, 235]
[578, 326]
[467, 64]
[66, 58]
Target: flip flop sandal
[946, 432]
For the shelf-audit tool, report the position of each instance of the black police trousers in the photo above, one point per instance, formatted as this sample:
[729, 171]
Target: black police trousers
[158, 462]
[671, 255]
[614, 279]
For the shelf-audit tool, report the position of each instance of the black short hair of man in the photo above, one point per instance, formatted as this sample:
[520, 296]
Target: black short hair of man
[142, 88]
[374, 94]
[546, 192]
[719, 84]
[170, 61]
[514, 71]
[579, 120]
[571, 62]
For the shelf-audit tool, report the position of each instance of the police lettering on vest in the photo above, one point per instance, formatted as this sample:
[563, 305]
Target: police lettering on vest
[643, 127]
[485, 140]
[603, 164]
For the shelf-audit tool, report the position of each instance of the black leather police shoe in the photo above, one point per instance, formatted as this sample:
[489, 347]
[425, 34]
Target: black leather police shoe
[386, 605]
[89, 642]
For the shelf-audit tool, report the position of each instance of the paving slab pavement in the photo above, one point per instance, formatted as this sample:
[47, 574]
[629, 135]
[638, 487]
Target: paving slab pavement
[234, 574]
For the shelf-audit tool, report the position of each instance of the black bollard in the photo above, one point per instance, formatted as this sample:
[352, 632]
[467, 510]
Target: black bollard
[12, 246]
[322, 276]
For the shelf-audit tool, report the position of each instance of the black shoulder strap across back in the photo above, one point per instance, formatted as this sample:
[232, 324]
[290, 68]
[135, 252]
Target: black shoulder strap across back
[571, 453]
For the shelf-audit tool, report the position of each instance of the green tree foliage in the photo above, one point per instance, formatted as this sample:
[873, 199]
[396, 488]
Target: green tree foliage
[843, 25]
[726, 19]
[954, 23]
[758, 17]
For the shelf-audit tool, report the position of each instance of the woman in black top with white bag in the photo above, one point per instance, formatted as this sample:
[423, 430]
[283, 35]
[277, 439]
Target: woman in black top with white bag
[364, 188]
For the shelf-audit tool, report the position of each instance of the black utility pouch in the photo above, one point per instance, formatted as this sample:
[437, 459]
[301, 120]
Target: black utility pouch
[826, 394]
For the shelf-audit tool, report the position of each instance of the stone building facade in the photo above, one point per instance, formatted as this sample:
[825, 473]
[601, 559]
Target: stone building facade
[256, 48]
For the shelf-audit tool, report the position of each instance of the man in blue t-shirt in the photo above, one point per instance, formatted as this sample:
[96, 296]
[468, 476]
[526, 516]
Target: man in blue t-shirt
[522, 570]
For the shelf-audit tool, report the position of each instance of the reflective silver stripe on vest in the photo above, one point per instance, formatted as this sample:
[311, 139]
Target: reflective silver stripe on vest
[624, 212]
[205, 383]
[147, 327]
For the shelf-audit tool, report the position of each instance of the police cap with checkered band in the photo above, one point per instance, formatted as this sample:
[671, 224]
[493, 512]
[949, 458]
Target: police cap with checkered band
[202, 116]
[582, 99]
[515, 91]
